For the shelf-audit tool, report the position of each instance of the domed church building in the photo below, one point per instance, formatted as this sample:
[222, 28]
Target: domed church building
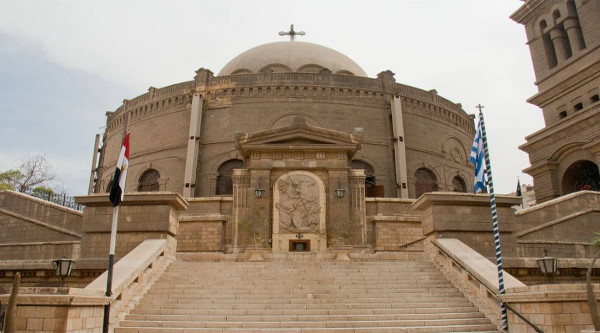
[294, 136]
[183, 137]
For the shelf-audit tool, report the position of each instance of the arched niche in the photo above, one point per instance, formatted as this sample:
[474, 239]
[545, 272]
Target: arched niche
[224, 184]
[582, 175]
[299, 211]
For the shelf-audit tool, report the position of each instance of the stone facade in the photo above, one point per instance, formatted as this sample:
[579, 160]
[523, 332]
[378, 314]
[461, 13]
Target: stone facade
[564, 40]
[436, 134]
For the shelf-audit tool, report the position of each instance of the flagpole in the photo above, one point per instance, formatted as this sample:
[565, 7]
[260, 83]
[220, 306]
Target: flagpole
[113, 242]
[501, 290]
[111, 261]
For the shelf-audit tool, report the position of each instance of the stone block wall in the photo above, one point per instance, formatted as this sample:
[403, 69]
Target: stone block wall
[467, 217]
[552, 308]
[32, 229]
[203, 233]
[391, 233]
[28, 207]
[147, 215]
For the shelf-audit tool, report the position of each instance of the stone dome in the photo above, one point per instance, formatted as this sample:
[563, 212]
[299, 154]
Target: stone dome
[292, 56]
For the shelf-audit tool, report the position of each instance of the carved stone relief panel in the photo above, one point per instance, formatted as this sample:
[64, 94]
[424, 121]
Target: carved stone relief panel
[299, 210]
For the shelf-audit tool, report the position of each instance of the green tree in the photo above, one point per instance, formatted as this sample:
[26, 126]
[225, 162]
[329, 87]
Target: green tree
[33, 172]
[593, 304]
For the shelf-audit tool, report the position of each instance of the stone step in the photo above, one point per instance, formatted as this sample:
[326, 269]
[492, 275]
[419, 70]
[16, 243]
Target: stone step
[305, 324]
[300, 307]
[328, 318]
[311, 294]
[418, 329]
[284, 312]
[304, 295]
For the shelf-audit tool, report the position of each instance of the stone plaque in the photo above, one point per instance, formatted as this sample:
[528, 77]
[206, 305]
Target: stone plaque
[299, 203]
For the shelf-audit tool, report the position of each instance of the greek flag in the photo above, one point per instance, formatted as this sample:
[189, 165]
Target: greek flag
[478, 161]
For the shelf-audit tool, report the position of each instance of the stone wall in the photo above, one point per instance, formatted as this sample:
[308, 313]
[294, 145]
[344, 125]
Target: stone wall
[146, 215]
[32, 228]
[551, 307]
[159, 122]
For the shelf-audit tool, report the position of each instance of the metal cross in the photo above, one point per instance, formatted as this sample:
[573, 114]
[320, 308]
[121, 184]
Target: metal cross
[299, 236]
[291, 33]
[479, 106]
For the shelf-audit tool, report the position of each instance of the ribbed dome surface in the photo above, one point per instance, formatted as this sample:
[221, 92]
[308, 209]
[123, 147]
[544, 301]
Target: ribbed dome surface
[291, 56]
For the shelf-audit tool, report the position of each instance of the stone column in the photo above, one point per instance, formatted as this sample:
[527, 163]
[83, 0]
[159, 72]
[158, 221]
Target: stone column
[342, 227]
[574, 32]
[559, 39]
[241, 186]
[189, 180]
[399, 149]
[358, 210]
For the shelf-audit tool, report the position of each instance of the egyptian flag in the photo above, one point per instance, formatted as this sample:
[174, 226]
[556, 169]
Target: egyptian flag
[117, 190]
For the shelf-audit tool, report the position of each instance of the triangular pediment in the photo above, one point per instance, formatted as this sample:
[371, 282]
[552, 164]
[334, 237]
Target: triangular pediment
[298, 136]
[301, 141]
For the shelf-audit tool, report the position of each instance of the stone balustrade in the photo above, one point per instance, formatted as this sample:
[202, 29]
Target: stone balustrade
[64, 309]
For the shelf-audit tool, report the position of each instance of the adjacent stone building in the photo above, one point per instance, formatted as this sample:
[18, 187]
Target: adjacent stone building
[564, 39]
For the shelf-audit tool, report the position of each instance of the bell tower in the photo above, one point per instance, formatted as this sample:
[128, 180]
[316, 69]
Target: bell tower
[564, 40]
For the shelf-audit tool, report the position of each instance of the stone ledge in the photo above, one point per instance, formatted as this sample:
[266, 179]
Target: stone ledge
[476, 264]
[395, 218]
[554, 202]
[136, 199]
[43, 202]
[462, 199]
[40, 223]
[203, 218]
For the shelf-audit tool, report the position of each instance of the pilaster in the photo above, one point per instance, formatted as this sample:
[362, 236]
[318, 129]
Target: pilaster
[356, 180]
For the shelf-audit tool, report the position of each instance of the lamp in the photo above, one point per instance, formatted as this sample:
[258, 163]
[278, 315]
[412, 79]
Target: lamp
[339, 192]
[259, 191]
[548, 265]
[63, 269]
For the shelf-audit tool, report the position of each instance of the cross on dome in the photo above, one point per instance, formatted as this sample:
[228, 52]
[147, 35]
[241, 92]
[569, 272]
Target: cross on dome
[291, 33]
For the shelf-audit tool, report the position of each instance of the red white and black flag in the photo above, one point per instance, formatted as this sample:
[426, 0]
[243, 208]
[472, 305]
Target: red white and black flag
[117, 189]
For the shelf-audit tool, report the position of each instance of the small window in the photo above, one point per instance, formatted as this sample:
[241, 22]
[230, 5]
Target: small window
[578, 106]
[459, 185]
[595, 98]
[563, 114]
[426, 181]
[224, 181]
[149, 181]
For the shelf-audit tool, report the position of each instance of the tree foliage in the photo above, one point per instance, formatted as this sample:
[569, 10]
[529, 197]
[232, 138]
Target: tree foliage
[34, 172]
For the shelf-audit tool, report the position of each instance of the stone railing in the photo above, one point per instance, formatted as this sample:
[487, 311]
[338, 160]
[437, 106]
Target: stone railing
[473, 274]
[63, 309]
[540, 308]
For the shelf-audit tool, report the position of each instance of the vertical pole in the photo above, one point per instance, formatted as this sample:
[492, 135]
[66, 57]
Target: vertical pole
[11, 311]
[111, 261]
[94, 164]
[113, 241]
[488, 165]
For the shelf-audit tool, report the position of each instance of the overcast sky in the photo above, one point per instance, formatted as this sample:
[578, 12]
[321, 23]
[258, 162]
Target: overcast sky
[64, 63]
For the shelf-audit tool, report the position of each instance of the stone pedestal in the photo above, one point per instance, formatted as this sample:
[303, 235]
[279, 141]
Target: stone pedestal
[144, 215]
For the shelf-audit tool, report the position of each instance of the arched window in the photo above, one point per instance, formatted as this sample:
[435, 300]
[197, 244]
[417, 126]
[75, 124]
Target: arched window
[425, 181]
[372, 190]
[149, 181]
[580, 176]
[548, 46]
[224, 183]
[459, 184]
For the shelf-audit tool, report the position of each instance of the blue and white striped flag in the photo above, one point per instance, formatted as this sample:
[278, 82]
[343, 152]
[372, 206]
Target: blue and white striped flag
[477, 158]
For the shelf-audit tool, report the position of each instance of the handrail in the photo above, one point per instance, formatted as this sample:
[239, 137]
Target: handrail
[411, 243]
[532, 325]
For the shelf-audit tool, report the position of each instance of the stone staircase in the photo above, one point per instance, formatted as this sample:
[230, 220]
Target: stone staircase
[304, 296]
